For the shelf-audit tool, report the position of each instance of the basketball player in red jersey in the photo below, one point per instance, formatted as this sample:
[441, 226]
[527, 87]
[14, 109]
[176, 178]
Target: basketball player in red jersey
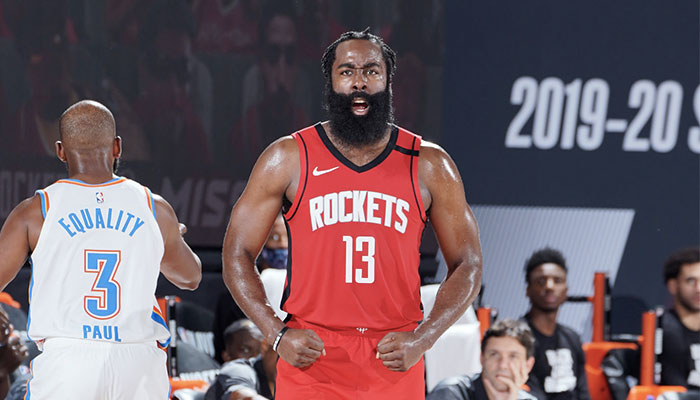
[356, 192]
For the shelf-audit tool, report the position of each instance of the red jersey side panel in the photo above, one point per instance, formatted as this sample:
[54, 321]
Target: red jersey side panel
[354, 236]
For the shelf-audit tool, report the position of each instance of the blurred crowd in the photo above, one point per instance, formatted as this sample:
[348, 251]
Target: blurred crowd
[196, 83]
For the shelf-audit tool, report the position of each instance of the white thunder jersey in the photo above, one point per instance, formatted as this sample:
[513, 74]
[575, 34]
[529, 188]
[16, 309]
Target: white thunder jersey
[96, 264]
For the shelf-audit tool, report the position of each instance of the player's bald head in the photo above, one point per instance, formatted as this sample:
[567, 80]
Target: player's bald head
[87, 125]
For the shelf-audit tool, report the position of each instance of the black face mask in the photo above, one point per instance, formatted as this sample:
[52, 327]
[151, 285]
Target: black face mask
[359, 130]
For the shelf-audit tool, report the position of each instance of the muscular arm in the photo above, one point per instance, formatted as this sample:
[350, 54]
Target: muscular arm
[251, 220]
[275, 175]
[18, 237]
[457, 233]
[458, 236]
[179, 264]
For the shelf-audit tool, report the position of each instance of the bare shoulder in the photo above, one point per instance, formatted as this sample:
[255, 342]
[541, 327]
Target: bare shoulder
[29, 205]
[28, 210]
[435, 164]
[26, 219]
[281, 154]
[163, 208]
[277, 169]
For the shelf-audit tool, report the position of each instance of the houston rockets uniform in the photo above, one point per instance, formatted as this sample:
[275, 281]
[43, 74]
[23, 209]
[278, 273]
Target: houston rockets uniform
[92, 294]
[352, 277]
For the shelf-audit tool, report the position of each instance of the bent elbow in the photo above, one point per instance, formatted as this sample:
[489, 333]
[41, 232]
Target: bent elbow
[190, 284]
[192, 279]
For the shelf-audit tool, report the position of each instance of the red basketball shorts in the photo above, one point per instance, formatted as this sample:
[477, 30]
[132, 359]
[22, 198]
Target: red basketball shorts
[348, 371]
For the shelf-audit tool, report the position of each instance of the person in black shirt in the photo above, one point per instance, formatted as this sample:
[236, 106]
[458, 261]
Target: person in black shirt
[506, 360]
[246, 378]
[680, 356]
[559, 372]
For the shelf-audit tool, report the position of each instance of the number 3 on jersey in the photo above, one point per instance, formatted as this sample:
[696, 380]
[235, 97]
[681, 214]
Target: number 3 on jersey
[368, 258]
[106, 301]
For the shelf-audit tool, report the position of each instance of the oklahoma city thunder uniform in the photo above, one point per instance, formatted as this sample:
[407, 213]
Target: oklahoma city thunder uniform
[354, 234]
[92, 294]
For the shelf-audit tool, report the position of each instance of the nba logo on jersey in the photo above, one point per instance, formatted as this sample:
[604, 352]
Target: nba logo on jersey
[100, 197]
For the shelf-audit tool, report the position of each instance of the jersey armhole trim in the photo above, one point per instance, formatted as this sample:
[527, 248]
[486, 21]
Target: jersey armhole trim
[303, 176]
[151, 203]
[288, 279]
[29, 299]
[406, 151]
[44, 202]
[414, 180]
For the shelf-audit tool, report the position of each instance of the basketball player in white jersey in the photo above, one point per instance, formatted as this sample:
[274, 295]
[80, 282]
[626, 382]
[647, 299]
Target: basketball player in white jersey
[96, 243]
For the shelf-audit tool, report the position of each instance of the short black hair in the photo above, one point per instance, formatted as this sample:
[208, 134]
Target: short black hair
[387, 53]
[672, 266]
[515, 329]
[242, 324]
[543, 256]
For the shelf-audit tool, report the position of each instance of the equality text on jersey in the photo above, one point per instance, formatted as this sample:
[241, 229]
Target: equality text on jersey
[359, 206]
[87, 219]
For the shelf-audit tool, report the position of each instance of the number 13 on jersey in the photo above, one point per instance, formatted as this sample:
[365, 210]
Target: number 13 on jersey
[106, 301]
[364, 245]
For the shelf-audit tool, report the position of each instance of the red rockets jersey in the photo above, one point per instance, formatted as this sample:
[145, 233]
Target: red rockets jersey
[354, 234]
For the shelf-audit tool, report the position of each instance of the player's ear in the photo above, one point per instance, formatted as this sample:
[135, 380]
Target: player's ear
[117, 147]
[672, 286]
[60, 151]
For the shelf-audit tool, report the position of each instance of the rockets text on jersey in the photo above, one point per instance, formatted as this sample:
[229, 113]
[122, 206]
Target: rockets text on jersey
[354, 236]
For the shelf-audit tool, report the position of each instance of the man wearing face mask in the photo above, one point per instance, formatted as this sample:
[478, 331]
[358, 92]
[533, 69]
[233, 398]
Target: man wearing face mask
[356, 193]
[275, 252]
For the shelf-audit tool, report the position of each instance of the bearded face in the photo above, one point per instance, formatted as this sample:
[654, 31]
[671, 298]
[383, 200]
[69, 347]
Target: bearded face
[358, 95]
[359, 118]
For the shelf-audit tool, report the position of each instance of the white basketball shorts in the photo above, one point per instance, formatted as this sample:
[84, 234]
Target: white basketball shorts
[84, 369]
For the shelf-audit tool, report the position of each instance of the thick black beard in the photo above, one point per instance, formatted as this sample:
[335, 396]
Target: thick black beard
[356, 130]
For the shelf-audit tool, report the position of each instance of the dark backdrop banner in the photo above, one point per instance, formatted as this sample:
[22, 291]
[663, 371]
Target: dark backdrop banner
[583, 104]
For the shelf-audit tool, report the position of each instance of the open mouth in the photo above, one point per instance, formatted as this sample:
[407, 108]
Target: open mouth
[360, 106]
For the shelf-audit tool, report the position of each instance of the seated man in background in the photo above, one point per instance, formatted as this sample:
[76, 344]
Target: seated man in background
[559, 371]
[506, 361]
[245, 378]
[680, 356]
[242, 340]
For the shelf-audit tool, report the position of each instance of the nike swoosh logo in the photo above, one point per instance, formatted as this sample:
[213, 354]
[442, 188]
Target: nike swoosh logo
[316, 172]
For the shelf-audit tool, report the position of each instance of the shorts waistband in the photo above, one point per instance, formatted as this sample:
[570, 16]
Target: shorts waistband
[65, 342]
[298, 323]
